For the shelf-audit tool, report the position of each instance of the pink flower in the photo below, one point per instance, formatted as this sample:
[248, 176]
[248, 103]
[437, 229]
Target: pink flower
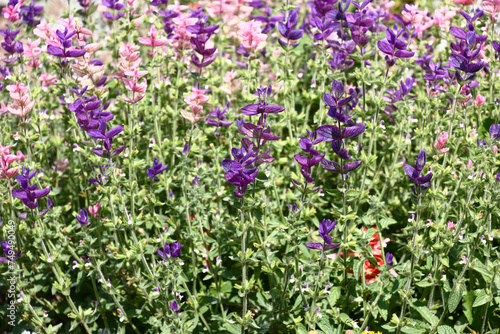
[451, 226]
[180, 40]
[130, 58]
[412, 14]
[177, 7]
[495, 149]
[43, 30]
[491, 6]
[443, 16]
[94, 209]
[251, 35]
[469, 164]
[6, 159]
[151, 40]
[47, 80]
[464, 2]
[473, 133]
[22, 104]
[480, 100]
[11, 14]
[195, 102]
[198, 97]
[32, 50]
[131, 85]
[439, 144]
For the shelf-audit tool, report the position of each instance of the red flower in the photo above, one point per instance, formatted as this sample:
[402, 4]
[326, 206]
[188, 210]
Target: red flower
[371, 269]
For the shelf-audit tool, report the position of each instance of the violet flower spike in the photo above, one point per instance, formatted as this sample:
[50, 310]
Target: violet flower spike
[83, 218]
[413, 173]
[394, 45]
[10, 256]
[325, 227]
[172, 251]
[155, 170]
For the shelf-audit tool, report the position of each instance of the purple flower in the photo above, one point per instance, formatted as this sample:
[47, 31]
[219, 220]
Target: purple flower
[174, 307]
[325, 227]
[269, 20]
[464, 52]
[389, 259]
[325, 26]
[392, 96]
[262, 108]
[30, 13]
[113, 5]
[307, 162]
[29, 194]
[66, 41]
[413, 173]
[107, 139]
[394, 45]
[237, 175]
[155, 170]
[170, 250]
[83, 218]
[196, 181]
[201, 33]
[186, 150]
[10, 256]
[286, 29]
[495, 131]
[219, 118]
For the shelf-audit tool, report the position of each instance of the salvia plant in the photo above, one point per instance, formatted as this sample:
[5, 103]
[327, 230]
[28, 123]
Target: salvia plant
[223, 166]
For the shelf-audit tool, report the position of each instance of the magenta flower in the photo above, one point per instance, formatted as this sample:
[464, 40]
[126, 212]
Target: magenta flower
[439, 144]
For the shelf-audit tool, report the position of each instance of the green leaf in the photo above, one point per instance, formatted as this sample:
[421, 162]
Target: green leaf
[385, 222]
[455, 297]
[467, 306]
[483, 270]
[443, 329]
[411, 330]
[482, 298]
[426, 313]
[325, 326]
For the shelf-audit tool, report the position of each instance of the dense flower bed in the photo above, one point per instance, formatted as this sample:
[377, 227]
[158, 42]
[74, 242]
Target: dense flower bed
[237, 166]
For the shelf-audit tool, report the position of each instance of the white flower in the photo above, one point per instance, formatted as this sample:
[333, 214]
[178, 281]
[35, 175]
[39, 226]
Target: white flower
[292, 279]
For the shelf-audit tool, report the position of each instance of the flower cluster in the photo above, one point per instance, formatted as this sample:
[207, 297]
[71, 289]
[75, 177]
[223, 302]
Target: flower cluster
[219, 118]
[195, 101]
[422, 182]
[394, 45]
[287, 31]
[200, 35]
[465, 55]
[22, 104]
[29, 194]
[239, 172]
[339, 110]
[307, 162]
[65, 48]
[325, 227]
[6, 159]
